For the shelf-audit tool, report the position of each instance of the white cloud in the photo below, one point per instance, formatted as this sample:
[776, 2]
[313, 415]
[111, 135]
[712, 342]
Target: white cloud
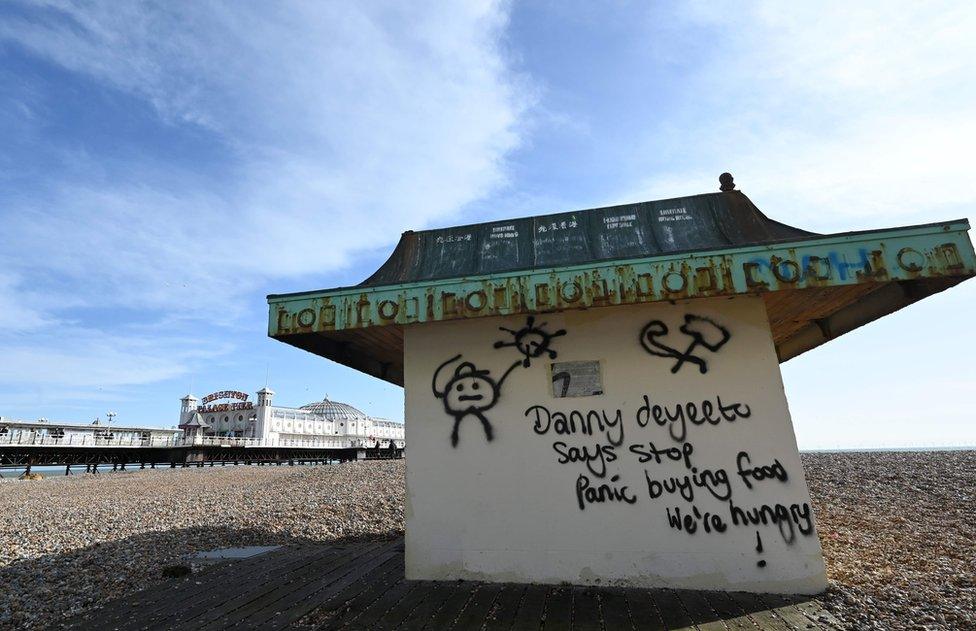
[340, 125]
[91, 359]
[338, 117]
[831, 116]
[18, 309]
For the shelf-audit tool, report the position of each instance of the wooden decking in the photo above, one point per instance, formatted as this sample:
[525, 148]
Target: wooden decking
[361, 586]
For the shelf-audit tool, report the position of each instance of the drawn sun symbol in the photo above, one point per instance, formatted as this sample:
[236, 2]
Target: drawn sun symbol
[531, 341]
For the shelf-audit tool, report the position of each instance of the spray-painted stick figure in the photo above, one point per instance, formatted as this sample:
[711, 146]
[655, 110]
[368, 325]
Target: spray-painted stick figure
[469, 392]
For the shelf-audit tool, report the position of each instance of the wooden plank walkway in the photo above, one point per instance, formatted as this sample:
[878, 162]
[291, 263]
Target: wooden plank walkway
[361, 586]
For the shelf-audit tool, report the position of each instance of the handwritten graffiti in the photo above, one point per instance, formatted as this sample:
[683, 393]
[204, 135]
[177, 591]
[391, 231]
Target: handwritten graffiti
[694, 498]
[586, 493]
[469, 392]
[759, 549]
[678, 416]
[704, 332]
[531, 341]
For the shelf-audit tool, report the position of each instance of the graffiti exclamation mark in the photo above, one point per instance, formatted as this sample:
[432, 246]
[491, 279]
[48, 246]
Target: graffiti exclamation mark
[759, 549]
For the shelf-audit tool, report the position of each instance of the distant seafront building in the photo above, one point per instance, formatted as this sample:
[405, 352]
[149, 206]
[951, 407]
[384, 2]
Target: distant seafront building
[45, 432]
[229, 413]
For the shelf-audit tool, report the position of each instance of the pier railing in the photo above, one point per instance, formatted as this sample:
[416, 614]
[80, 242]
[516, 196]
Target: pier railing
[28, 439]
[36, 439]
[338, 442]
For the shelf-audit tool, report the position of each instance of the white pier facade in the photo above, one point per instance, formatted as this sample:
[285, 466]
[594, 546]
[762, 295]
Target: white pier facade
[224, 427]
[325, 424]
[48, 433]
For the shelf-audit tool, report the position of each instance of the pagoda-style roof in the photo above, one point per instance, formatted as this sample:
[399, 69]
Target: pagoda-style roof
[816, 287]
[195, 421]
[669, 226]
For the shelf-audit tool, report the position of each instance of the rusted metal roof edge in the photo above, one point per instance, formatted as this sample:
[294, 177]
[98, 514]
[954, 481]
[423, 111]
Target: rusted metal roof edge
[840, 237]
[933, 251]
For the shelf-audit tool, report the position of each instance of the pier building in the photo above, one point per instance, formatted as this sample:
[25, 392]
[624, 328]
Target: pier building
[43, 431]
[594, 396]
[231, 414]
[224, 427]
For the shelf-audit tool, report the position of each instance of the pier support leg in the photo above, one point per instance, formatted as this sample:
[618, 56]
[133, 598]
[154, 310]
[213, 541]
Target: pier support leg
[95, 468]
[67, 469]
[152, 465]
[142, 465]
[115, 466]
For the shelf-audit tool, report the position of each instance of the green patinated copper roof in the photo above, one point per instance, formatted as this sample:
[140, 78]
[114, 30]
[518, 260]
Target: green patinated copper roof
[816, 287]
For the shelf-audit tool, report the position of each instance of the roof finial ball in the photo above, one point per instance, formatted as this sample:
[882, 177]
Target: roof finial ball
[726, 182]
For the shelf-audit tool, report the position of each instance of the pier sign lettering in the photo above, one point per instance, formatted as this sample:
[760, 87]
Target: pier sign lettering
[241, 404]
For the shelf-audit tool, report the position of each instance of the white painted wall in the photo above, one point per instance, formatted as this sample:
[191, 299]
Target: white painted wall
[507, 510]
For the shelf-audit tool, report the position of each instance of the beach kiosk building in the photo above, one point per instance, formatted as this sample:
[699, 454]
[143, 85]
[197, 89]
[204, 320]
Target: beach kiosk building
[594, 397]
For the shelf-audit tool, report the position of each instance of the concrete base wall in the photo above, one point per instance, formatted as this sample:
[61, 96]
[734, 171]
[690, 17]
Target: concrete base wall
[680, 469]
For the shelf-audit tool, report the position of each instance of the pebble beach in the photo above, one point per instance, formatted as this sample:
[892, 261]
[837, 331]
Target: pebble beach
[898, 530]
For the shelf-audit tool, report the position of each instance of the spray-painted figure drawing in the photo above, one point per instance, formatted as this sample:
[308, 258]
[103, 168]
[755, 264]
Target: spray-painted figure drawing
[469, 392]
[531, 340]
[703, 332]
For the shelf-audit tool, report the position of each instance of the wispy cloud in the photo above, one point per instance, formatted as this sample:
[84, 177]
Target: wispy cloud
[89, 359]
[331, 127]
[836, 113]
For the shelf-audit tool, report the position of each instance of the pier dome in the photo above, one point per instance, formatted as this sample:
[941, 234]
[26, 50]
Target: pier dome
[334, 409]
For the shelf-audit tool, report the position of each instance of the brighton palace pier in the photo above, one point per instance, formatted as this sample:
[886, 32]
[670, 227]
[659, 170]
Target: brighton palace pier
[224, 427]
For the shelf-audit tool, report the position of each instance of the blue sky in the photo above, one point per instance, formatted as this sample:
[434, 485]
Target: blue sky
[164, 166]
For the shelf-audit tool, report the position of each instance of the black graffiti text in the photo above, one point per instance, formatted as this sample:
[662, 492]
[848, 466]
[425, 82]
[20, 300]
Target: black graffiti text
[675, 454]
[677, 416]
[775, 471]
[715, 482]
[586, 493]
[694, 519]
[789, 519]
[576, 422]
[595, 457]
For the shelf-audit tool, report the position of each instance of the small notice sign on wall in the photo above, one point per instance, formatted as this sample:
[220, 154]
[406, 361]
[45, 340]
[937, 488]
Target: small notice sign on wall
[576, 379]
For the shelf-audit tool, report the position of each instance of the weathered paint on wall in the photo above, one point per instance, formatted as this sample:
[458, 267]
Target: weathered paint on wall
[664, 479]
[930, 251]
